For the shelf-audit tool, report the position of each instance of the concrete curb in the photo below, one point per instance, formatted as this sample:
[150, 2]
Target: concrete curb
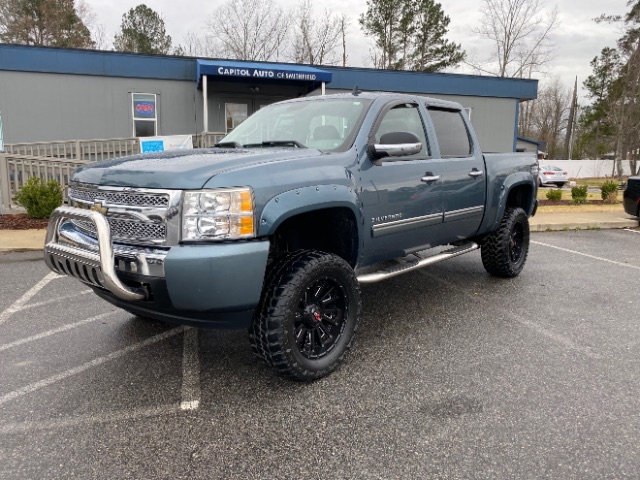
[561, 227]
[22, 240]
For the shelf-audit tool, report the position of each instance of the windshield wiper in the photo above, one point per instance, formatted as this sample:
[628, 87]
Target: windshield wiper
[277, 143]
[229, 144]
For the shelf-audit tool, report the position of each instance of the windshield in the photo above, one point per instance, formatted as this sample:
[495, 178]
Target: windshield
[329, 125]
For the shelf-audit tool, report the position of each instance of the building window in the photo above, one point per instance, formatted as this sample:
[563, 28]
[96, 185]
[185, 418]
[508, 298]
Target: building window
[235, 114]
[145, 114]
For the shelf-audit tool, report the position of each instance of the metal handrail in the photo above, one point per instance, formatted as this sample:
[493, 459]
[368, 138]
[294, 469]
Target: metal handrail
[56, 160]
[16, 170]
[91, 149]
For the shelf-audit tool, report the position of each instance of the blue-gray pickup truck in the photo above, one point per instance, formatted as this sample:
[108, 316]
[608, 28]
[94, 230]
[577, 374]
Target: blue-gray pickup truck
[275, 229]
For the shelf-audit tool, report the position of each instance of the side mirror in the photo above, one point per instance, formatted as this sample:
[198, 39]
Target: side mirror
[396, 144]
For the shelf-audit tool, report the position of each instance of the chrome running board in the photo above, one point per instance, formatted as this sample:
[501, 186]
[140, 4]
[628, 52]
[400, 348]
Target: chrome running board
[420, 262]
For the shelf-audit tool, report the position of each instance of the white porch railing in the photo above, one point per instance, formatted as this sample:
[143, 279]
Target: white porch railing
[16, 170]
[97, 149]
[207, 139]
[89, 150]
[58, 160]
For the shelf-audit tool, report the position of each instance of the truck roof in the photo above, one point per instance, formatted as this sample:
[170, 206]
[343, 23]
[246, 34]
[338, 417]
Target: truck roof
[430, 101]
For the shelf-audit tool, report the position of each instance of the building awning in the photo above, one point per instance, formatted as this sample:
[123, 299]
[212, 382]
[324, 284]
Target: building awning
[255, 72]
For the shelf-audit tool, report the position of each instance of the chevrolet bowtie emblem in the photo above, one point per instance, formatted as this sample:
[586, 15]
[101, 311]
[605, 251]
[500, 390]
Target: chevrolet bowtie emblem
[99, 206]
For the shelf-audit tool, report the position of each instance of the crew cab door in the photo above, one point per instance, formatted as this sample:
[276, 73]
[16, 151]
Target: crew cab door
[463, 173]
[401, 195]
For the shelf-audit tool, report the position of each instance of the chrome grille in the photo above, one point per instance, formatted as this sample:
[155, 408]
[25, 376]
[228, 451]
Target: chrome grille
[136, 216]
[127, 230]
[119, 198]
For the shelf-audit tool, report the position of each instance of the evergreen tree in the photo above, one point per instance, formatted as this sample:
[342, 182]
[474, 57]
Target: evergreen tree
[142, 31]
[410, 35]
[432, 51]
[53, 23]
[598, 132]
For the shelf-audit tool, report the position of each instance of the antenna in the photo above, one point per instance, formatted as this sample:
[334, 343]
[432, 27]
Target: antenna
[356, 91]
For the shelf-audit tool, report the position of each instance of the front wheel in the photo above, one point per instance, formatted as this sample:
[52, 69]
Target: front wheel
[308, 315]
[504, 252]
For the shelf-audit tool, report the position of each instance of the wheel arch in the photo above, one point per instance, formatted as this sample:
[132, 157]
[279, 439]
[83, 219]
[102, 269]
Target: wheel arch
[518, 190]
[323, 217]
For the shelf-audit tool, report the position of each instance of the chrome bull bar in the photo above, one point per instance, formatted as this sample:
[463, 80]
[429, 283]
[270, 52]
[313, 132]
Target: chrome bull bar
[97, 269]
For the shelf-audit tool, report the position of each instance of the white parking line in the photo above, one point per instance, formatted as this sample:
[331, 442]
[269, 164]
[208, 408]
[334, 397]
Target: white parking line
[55, 300]
[620, 264]
[17, 305]
[535, 326]
[61, 329]
[190, 371]
[89, 418]
[85, 366]
[632, 231]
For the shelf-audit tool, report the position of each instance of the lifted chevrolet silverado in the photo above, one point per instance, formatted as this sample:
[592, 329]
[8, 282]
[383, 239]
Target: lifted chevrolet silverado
[276, 228]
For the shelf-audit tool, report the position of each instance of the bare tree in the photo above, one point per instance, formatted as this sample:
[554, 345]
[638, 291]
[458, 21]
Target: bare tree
[550, 112]
[98, 30]
[315, 37]
[250, 29]
[196, 45]
[519, 30]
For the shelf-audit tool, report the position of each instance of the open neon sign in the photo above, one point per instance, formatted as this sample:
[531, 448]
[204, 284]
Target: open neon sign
[145, 109]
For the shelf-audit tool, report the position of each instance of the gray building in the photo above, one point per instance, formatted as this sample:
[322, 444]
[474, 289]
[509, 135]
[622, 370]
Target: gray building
[50, 94]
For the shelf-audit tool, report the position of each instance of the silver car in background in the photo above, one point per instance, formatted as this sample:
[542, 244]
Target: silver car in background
[551, 174]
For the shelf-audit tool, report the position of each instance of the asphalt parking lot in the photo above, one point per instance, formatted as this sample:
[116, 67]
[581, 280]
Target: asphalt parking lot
[455, 374]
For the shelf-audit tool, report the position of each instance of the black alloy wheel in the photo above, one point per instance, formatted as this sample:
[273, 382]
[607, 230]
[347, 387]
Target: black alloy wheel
[308, 315]
[504, 252]
[320, 319]
[516, 243]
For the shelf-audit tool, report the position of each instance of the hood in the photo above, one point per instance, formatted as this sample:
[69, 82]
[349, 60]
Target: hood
[182, 170]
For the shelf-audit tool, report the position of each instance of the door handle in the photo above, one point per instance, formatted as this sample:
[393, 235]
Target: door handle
[430, 178]
[475, 173]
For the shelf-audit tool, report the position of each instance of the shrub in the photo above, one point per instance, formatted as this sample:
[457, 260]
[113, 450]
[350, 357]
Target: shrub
[609, 192]
[579, 193]
[40, 198]
[554, 194]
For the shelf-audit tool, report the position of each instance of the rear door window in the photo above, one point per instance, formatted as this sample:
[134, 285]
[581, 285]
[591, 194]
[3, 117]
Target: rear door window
[451, 132]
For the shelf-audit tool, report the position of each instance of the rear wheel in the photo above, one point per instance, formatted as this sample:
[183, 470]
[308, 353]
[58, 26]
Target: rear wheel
[308, 315]
[504, 252]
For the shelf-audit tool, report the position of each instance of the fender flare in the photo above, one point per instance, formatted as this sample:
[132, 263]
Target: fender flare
[513, 181]
[306, 199]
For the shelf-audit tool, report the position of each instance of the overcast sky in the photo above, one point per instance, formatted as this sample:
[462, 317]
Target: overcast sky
[577, 38]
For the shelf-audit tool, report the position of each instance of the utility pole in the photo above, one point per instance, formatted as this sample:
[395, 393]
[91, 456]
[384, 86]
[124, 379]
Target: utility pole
[572, 113]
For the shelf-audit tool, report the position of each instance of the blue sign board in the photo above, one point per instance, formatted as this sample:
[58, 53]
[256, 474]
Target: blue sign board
[258, 71]
[148, 146]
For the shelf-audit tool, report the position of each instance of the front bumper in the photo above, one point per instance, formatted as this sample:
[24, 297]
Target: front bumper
[201, 284]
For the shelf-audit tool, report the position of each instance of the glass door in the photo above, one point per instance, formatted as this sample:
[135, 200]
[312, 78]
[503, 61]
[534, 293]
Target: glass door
[235, 114]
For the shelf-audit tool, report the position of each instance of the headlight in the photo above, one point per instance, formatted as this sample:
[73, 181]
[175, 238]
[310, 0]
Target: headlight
[219, 214]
